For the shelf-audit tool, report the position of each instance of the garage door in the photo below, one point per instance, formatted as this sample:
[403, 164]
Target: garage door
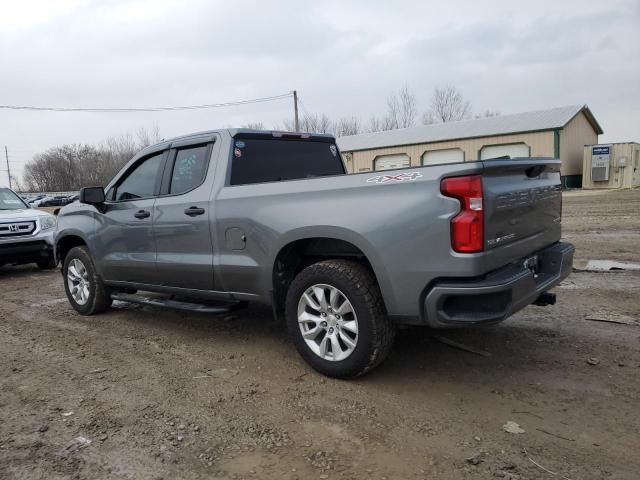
[513, 150]
[389, 162]
[449, 155]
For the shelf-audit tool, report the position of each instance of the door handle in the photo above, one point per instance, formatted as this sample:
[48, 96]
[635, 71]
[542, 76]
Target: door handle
[193, 211]
[142, 214]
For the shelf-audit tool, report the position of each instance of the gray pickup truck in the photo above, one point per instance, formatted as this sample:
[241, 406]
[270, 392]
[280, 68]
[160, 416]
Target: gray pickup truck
[209, 221]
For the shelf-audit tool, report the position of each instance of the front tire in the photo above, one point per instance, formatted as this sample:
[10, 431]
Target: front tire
[337, 318]
[85, 290]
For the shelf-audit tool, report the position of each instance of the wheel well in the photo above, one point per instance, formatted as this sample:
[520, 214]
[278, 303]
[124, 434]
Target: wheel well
[67, 243]
[298, 255]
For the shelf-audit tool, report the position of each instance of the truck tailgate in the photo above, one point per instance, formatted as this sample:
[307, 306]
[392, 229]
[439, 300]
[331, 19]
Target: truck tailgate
[522, 206]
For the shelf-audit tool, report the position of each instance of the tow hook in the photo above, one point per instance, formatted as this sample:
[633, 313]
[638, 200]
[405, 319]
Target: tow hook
[545, 299]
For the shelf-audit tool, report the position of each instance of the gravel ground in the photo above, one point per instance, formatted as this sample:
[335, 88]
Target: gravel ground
[141, 393]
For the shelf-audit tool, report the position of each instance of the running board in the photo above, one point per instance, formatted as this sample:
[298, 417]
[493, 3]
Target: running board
[165, 302]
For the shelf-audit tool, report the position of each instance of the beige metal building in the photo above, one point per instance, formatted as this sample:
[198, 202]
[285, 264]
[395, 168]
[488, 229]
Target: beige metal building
[559, 132]
[611, 165]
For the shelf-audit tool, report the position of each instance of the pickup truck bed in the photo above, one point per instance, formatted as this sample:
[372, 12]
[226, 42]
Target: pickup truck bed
[441, 246]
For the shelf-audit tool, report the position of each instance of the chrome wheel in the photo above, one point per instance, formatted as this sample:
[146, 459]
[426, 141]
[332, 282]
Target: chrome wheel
[78, 281]
[328, 322]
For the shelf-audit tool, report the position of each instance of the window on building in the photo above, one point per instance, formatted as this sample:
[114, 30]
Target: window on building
[390, 162]
[513, 150]
[448, 155]
[189, 169]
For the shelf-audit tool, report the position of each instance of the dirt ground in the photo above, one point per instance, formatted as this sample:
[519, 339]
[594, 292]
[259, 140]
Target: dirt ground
[166, 395]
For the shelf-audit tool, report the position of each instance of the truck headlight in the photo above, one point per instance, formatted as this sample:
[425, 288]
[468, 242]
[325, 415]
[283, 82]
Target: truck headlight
[47, 223]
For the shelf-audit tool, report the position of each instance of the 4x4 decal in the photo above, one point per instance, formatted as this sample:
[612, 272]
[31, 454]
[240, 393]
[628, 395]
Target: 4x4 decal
[395, 178]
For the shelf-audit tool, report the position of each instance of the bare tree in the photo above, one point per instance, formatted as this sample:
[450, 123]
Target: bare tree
[447, 105]
[311, 123]
[70, 167]
[287, 125]
[486, 114]
[60, 168]
[18, 186]
[347, 126]
[375, 124]
[254, 125]
[390, 120]
[321, 123]
[316, 123]
[408, 110]
[401, 110]
[148, 137]
[115, 152]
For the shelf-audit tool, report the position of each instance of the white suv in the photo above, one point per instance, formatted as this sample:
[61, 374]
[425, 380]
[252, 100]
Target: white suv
[26, 234]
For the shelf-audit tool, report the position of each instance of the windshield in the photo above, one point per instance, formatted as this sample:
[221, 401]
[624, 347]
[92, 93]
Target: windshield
[10, 201]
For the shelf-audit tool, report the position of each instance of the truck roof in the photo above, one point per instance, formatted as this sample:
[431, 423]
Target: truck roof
[233, 132]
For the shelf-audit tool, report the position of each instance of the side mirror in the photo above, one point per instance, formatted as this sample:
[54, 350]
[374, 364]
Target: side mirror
[92, 195]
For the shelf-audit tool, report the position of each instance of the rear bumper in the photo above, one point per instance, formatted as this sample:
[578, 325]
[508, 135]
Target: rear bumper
[496, 296]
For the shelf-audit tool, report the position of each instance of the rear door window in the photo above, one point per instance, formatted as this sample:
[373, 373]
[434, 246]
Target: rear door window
[189, 169]
[256, 160]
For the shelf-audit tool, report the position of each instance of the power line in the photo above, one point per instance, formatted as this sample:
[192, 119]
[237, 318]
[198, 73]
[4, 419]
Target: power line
[145, 109]
[306, 112]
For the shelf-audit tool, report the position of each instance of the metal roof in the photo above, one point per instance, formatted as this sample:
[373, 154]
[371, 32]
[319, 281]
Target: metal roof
[611, 143]
[482, 127]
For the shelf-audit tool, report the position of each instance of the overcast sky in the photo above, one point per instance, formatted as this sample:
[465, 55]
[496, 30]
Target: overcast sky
[344, 58]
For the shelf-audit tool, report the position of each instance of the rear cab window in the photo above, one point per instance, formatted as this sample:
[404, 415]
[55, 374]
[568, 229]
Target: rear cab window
[260, 160]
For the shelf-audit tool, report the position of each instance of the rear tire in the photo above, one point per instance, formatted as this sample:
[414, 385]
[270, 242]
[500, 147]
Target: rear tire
[85, 290]
[337, 319]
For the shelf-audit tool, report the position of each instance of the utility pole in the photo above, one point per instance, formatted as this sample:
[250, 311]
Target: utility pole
[295, 109]
[6, 155]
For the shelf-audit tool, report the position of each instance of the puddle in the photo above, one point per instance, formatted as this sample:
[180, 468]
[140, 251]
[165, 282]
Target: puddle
[607, 265]
[610, 317]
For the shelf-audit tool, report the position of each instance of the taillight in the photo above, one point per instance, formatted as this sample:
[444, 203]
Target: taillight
[467, 227]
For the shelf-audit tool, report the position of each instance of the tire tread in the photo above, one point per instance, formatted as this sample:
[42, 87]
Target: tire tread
[367, 290]
[101, 300]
